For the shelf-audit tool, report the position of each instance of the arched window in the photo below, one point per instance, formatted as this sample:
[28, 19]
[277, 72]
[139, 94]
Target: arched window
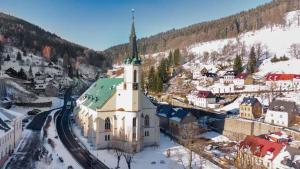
[134, 76]
[107, 124]
[146, 121]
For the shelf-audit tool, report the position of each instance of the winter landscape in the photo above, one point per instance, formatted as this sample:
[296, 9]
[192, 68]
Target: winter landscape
[214, 84]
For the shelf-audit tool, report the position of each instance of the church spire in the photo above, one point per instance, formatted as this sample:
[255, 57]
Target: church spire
[133, 53]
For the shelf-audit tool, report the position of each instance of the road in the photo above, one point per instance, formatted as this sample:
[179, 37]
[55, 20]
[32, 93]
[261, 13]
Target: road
[81, 155]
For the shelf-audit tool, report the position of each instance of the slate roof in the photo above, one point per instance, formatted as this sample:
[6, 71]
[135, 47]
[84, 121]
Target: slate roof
[172, 113]
[97, 95]
[230, 73]
[284, 106]
[249, 100]
[260, 147]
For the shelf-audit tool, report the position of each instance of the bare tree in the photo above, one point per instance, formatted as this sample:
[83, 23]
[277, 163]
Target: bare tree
[117, 147]
[128, 155]
[295, 50]
[189, 133]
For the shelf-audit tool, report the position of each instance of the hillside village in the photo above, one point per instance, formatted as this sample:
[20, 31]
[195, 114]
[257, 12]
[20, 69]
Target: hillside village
[226, 103]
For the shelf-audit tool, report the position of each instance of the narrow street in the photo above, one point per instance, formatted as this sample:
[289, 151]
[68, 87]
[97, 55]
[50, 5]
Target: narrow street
[82, 156]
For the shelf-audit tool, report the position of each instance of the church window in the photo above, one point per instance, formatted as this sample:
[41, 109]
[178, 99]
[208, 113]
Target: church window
[133, 136]
[107, 137]
[146, 133]
[107, 124]
[146, 121]
[134, 122]
[134, 76]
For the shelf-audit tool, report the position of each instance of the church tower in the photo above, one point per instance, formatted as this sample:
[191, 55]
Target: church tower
[132, 74]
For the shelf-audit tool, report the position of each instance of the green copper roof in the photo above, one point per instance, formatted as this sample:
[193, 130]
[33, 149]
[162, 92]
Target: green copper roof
[97, 95]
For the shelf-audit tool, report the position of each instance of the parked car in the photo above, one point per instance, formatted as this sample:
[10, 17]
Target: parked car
[34, 112]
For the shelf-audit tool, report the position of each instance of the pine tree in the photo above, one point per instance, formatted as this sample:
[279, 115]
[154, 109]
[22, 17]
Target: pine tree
[158, 83]
[151, 79]
[237, 65]
[66, 61]
[30, 71]
[162, 70]
[54, 59]
[252, 61]
[177, 58]
[19, 56]
[170, 59]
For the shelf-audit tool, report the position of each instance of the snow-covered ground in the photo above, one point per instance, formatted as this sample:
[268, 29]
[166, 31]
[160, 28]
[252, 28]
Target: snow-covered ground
[214, 136]
[276, 40]
[58, 151]
[151, 157]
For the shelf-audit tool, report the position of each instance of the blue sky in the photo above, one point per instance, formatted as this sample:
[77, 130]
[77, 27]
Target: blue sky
[99, 24]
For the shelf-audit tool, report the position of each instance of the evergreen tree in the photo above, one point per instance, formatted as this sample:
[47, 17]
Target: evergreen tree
[252, 61]
[54, 59]
[162, 70]
[170, 59]
[151, 79]
[19, 56]
[7, 58]
[158, 83]
[237, 65]
[30, 71]
[176, 57]
[66, 61]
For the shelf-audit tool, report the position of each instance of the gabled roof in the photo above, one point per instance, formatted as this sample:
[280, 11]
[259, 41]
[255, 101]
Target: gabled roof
[241, 76]
[249, 101]
[176, 114]
[260, 147]
[100, 92]
[283, 106]
[205, 94]
[275, 77]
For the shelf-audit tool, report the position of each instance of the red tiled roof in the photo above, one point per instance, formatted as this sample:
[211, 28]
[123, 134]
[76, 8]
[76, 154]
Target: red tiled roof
[275, 77]
[260, 147]
[241, 76]
[204, 94]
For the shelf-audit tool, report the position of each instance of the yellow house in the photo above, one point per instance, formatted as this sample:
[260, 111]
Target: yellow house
[250, 108]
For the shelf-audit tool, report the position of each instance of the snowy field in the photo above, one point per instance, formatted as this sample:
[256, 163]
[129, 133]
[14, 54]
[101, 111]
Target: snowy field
[151, 157]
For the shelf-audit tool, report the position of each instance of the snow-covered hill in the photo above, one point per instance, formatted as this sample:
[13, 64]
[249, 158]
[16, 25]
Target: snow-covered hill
[273, 40]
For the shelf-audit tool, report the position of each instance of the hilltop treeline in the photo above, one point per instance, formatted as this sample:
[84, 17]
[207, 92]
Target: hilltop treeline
[31, 38]
[265, 15]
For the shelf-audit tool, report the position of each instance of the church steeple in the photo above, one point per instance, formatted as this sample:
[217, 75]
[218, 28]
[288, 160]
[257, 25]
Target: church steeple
[133, 57]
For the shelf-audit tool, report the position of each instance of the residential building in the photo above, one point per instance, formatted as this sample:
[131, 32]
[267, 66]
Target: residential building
[250, 108]
[115, 110]
[283, 81]
[201, 98]
[282, 113]
[10, 133]
[258, 152]
[228, 77]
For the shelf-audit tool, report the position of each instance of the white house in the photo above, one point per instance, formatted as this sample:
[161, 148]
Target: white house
[115, 111]
[239, 80]
[281, 113]
[201, 98]
[10, 133]
[228, 77]
[281, 81]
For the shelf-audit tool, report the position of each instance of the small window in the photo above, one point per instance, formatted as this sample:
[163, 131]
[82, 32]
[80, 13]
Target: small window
[134, 122]
[146, 133]
[107, 137]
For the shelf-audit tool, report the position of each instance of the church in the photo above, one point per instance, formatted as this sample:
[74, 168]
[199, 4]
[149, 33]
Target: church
[115, 110]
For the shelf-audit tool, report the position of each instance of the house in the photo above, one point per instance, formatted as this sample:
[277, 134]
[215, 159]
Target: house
[228, 77]
[239, 80]
[176, 121]
[115, 110]
[280, 81]
[258, 152]
[199, 73]
[209, 77]
[201, 98]
[10, 133]
[250, 108]
[282, 113]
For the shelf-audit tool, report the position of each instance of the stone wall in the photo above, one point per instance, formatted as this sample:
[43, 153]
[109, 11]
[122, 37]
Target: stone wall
[237, 129]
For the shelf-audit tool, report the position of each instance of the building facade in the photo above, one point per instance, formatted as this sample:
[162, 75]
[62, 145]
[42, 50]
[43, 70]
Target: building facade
[201, 98]
[115, 111]
[282, 113]
[250, 108]
[10, 133]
